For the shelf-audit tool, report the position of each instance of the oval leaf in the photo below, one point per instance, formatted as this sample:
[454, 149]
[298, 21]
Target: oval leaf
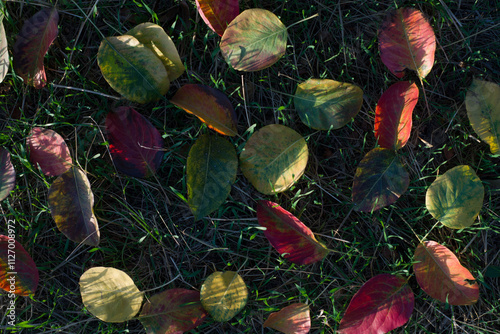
[32, 44]
[274, 158]
[393, 115]
[441, 276]
[483, 108]
[110, 294]
[254, 40]
[211, 170]
[7, 174]
[218, 13]
[210, 105]
[156, 39]
[172, 311]
[456, 197]
[288, 235]
[379, 180]
[132, 69]
[18, 272]
[134, 143]
[49, 150]
[323, 104]
[293, 319]
[224, 295]
[4, 51]
[407, 41]
[383, 303]
[70, 203]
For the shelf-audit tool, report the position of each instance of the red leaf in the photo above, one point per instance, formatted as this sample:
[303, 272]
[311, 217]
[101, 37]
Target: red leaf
[393, 115]
[288, 235]
[293, 319]
[382, 304]
[32, 44]
[441, 276]
[134, 143]
[18, 272]
[49, 150]
[173, 311]
[7, 174]
[218, 13]
[406, 40]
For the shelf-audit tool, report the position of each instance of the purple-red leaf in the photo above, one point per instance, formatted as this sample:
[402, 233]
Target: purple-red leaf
[18, 272]
[288, 235]
[407, 41]
[293, 319]
[32, 44]
[49, 150]
[382, 304]
[173, 311]
[440, 274]
[218, 13]
[134, 143]
[7, 174]
[393, 115]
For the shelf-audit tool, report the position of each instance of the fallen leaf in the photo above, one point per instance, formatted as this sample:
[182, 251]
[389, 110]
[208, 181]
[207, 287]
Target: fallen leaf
[293, 319]
[49, 150]
[218, 13]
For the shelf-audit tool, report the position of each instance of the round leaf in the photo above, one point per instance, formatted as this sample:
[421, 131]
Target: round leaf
[110, 294]
[379, 180]
[211, 170]
[293, 319]
[441, 276]
[7, 174]
[254, 40]
[70, 203]
[456, 197]
[218, 13]
[49, 150]
[323, 104]
[132, 69]
[274, 158]
[224, 295]
[483, 108]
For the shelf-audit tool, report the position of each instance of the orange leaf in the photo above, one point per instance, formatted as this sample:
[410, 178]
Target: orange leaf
[293, 319]
[218, 13]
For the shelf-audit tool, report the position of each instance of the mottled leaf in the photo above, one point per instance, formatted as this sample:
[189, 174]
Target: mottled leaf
[156, 39]
[7, 174]
[49, 150]
[393, 115]
[483, 108]
[4, 51]
[70, 203]
[224, 295]
[293, 319]
[134, 143]
[132, 69]
[211, 170]
[407, 41]
[173, 311]
[383, 303]
[441, 276]
[110, 294]
[32, 44]
[254, 40]
[379, 180]
[288, 235]
[18, 272]
[456, 197]
[274, 158]
[210, 105]
[323, 104]
[218, 13]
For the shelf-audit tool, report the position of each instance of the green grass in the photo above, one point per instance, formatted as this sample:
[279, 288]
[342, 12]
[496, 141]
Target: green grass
[147, 229]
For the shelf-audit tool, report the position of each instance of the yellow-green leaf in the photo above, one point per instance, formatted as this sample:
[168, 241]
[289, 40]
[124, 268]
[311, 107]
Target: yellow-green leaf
[483, 108]
[224, 295]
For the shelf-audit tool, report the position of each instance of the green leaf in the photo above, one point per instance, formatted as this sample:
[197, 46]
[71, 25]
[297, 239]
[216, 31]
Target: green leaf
[456, 197]
[211, 170]
[483, 108]
[254, 40]
[224, 295]
[274, 158]
[323, 104]
[132, 69]
[379, 181]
